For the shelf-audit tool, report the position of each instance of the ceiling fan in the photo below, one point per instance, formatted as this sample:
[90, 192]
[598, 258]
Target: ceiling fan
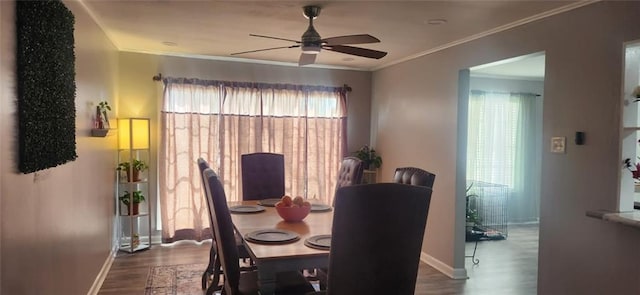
[312, 43]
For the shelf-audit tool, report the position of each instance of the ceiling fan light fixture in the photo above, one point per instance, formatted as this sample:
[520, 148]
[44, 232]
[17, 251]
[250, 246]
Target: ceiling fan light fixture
[311, 12]
[311, 49]
[311, 43]
[436, 21]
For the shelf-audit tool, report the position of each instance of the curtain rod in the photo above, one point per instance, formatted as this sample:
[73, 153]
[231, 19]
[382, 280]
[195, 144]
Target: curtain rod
[159, 77]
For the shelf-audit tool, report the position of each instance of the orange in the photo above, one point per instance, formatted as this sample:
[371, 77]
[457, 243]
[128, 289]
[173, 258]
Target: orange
[287, 201]
[298, 200]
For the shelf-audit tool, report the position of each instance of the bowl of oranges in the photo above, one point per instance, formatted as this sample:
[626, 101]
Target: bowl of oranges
[293, 209]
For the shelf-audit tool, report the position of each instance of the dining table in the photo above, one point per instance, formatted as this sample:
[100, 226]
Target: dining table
[280, 257]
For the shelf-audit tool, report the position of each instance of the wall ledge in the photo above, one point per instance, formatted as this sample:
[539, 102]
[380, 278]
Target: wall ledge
[627, 218]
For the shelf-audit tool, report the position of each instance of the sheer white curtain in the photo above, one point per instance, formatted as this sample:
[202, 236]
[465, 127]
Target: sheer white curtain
[188, 131]
[504, 146]
[220, 121]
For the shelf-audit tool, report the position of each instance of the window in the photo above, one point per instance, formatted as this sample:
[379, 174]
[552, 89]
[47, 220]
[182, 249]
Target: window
[220, 121]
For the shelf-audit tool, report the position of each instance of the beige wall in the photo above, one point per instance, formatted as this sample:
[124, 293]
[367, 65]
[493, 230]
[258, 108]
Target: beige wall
[139, 96]
[57, 223]
[415, 103]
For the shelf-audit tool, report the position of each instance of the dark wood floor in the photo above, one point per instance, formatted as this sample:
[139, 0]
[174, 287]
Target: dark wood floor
[506, 267]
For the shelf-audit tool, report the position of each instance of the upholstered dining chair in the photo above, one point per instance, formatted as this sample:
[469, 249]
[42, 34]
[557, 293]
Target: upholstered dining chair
[237, 282]
[350, 173]
[376, 239]
[213, 269]
[351, 170]
[262, 176]
[414, 176]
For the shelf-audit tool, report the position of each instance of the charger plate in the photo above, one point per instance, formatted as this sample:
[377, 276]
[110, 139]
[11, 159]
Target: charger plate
[246, 209]
[269, 202]
[272, 236]
[320, 208]
[321, 242]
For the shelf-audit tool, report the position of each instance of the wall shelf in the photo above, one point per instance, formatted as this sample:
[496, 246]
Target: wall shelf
[628, 218]
[99, 132]
[630, 136]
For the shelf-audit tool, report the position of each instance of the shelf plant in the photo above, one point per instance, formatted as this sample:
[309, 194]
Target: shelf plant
[101, 115]
[133, 171]
[369, 157]
[628, 165]
[132, 200]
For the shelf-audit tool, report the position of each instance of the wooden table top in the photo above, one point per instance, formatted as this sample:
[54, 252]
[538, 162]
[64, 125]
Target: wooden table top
[316, 223]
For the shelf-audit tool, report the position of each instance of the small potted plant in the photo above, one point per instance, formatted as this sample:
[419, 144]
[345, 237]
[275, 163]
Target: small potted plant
[369, 157]
[101, 126]
[133, 171]
[132, 201]
[103, 107]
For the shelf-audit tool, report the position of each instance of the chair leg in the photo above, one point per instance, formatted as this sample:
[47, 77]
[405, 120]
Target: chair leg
[216, 277]
[209, 271]
[323, 277]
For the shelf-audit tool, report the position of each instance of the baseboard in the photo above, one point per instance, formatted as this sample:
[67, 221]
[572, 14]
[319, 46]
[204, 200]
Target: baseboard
[97, 284]
[454, 273]
[156, 240]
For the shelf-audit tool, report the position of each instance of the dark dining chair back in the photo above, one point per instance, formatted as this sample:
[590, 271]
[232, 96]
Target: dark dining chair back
[350, 173]
[223, 231]
[262, 176]
[351, 170]
[414, 176]
[212, 270]
[377, 238]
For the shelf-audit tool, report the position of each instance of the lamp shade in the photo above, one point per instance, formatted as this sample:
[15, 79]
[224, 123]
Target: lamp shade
[133, 133]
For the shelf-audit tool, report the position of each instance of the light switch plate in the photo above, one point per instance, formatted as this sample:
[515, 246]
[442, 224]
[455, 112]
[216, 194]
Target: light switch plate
[558, 144]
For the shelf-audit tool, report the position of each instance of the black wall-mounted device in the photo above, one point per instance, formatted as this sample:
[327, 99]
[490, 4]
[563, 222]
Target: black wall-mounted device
[579, 138]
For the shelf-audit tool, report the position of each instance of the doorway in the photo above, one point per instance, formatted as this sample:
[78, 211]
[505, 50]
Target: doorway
[503, 168]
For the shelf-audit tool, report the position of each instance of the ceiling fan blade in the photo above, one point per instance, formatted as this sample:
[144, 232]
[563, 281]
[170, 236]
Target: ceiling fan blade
[306, 59]
[350, 39]
[269, 37]
[369, 53]
[250, 51]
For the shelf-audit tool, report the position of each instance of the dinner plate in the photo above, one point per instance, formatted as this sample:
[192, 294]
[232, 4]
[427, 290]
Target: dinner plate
[268, 202]
[320, 208]
[246, 209]
[321, 242]
[272, 236]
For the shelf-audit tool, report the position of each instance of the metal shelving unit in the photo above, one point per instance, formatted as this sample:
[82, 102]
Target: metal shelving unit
[134, 224]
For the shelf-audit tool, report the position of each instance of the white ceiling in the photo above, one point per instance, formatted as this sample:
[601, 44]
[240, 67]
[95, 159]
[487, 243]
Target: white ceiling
[529, 67]
[214, 29]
